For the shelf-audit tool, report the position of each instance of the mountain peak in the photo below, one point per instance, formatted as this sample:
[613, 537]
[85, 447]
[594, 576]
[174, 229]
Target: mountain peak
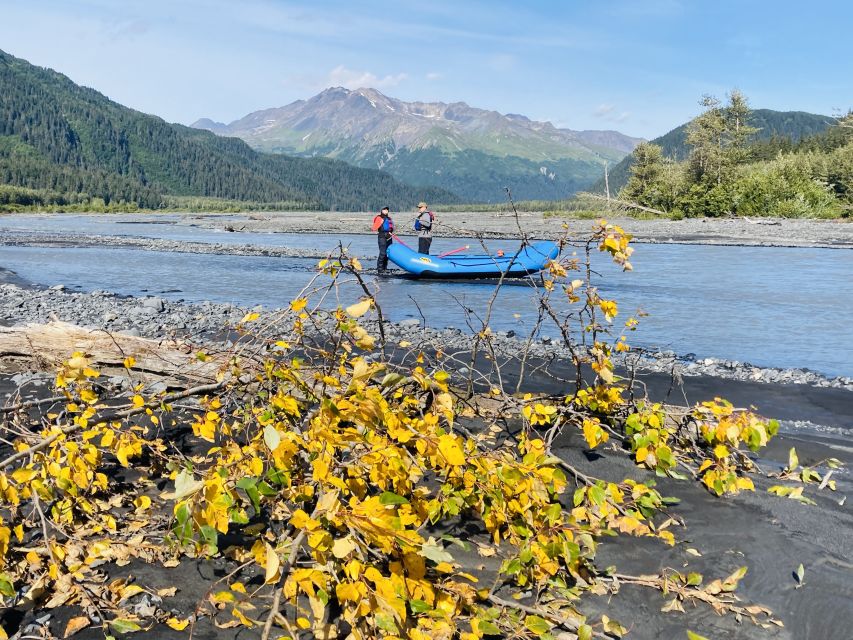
[428, 142]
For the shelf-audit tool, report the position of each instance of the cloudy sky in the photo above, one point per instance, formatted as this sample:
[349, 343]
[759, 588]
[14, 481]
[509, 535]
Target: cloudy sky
[638, 66]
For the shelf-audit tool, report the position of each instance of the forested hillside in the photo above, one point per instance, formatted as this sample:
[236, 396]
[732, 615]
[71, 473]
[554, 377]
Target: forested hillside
[776, 126]
[63, 145]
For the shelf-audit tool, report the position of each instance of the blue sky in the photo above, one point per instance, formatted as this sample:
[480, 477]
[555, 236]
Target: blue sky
[638, 67]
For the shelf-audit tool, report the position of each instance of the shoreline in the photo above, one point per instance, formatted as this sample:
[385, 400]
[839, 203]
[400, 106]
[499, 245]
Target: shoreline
[154, 317]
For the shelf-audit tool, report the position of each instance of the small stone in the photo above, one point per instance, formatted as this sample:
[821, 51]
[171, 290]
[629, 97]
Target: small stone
[58, 287]
[154, 303]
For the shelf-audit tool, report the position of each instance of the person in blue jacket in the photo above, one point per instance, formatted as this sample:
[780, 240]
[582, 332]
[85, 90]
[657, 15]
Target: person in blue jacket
[383, 225]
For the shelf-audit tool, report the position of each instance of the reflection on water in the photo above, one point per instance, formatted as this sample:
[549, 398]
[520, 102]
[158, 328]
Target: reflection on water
[778, 307]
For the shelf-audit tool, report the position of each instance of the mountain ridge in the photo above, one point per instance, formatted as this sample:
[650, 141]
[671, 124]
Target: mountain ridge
[74, 144]
[479, 151]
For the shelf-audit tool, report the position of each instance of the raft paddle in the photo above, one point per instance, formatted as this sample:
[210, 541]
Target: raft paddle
[450, 253]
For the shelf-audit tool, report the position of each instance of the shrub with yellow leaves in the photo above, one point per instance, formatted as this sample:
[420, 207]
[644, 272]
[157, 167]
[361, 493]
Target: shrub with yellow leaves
[339, 478]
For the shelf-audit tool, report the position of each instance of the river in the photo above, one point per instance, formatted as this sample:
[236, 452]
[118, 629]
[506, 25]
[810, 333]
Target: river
[769, 306]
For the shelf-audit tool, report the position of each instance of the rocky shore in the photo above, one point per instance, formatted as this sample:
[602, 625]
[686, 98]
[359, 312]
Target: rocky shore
[155, 317]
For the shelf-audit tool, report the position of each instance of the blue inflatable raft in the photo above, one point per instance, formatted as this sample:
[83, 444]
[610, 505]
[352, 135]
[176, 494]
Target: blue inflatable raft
[531, 259]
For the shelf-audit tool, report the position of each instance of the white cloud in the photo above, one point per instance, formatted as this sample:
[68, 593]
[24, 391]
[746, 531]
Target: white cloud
[340, 76]
[608, 112]
[434, 75]
[603, 110]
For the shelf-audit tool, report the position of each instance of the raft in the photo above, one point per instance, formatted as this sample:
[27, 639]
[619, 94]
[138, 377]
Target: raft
[531, 259]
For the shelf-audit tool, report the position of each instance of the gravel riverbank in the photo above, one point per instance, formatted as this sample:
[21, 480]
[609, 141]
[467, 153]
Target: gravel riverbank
[771, 232]
[154, 317]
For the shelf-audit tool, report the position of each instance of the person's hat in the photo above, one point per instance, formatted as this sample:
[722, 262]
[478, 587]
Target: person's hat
[385, 209]
[422, 204]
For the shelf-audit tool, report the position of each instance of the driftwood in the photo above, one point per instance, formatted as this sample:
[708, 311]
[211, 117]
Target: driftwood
[623, 203]
[46, 346]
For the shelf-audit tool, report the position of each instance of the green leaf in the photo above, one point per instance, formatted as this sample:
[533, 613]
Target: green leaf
[694, 579]
[584, 632]
[489, 629]
[7, 588]
[537, 624]
[389, 498]
[465, 546]
[597, 495]
[694, 636]
[419, 606]
[121, 625]
[391, 379]
[434, 551]
[386, 623]
[793, 460]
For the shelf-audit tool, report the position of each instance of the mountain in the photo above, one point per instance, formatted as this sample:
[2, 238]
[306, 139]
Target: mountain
[472, 152]
[71, 144]
[789, 125]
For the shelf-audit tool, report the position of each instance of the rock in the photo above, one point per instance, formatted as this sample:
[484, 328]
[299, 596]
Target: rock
[154, 303]
[409, 322]
[58, 287]
[133, 331]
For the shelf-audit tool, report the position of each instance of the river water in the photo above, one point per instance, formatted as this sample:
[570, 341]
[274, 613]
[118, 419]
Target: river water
[770, 306]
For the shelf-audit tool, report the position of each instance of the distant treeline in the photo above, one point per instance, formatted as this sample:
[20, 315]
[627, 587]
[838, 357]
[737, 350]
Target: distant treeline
[727, 173]
[68, 146]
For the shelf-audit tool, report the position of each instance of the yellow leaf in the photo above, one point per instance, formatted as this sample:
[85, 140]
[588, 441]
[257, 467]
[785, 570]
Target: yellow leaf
[131, 590]
[239, 615]
[76, 624]
[594, 434]
[177, 625]
[449, 448]
[343, 547]
[359, 308]
[303, 623]
[721, 451]
[129, 361]
[298, 304]
[250, 317]
[273, 564]
[138, 401]
[23, 475]
[142, 503]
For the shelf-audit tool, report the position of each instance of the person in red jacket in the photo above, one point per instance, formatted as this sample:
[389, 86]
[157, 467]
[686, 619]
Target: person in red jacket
[383, 225]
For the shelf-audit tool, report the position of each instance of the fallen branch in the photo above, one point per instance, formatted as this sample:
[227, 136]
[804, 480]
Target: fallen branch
[204, 388]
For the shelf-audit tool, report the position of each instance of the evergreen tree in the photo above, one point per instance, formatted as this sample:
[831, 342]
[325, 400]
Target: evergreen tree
[645, 173]
[706, 135]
